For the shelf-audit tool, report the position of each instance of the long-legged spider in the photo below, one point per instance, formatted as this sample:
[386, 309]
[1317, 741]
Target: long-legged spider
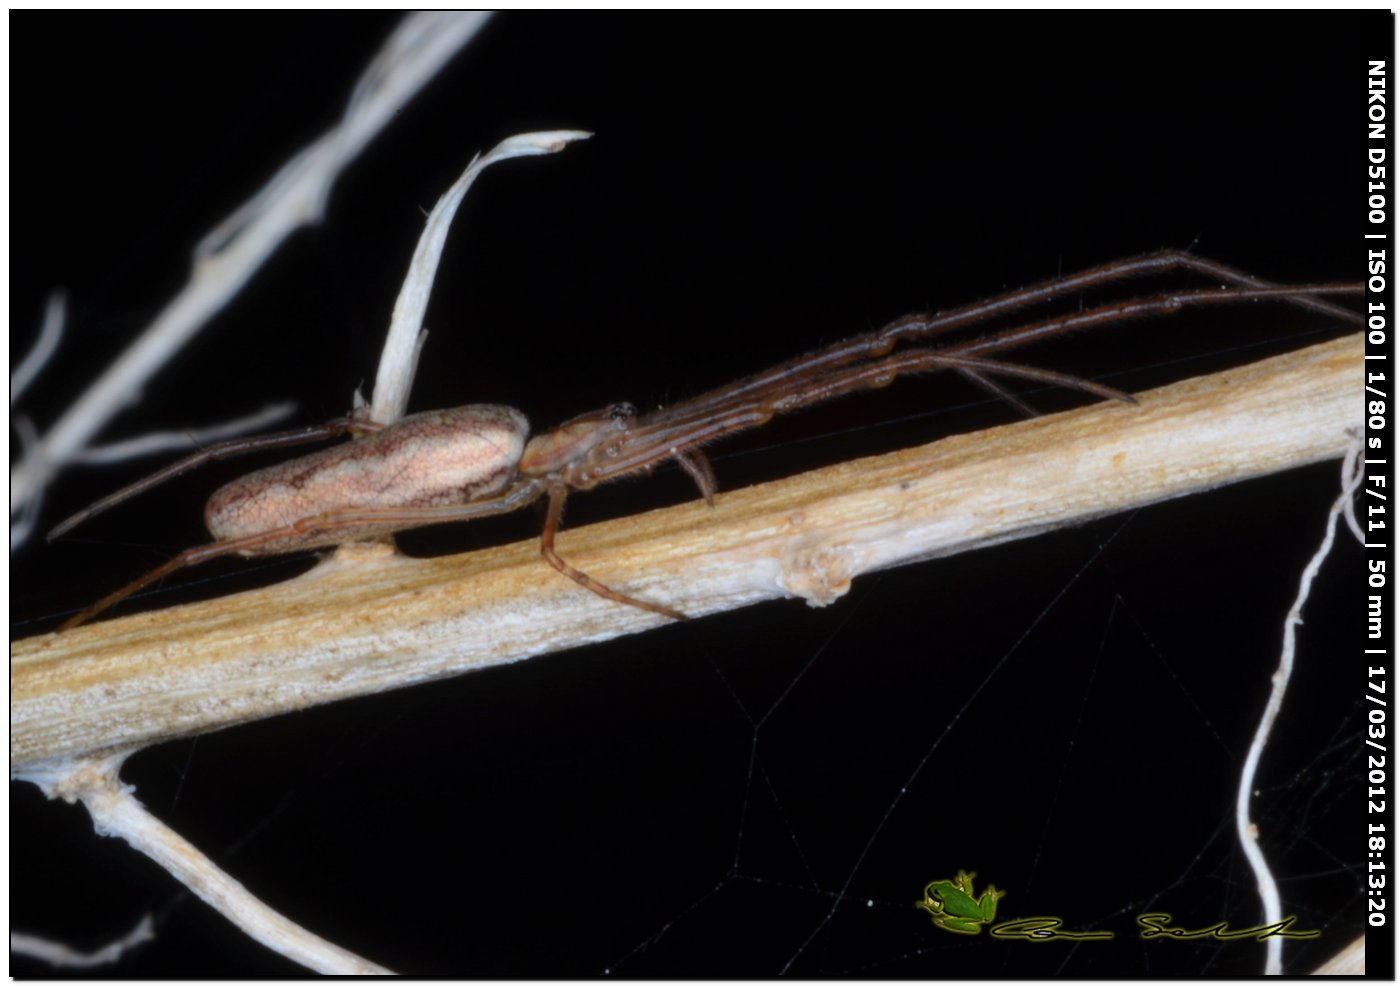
[478, 460]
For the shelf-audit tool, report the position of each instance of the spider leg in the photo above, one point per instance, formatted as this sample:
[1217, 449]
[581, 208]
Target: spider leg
[1162, 262]
[557, 495]
[651, 440]
[332, 527]
[1159, 304]
[998, 391]
[184, 559]
[753, 402]
[883, 372]
[1182, 260]
[220, 450]
[780, 379]
[697, 465]
[880, 342]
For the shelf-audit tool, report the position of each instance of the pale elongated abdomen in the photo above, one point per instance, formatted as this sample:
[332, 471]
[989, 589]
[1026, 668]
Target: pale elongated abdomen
[430, 459]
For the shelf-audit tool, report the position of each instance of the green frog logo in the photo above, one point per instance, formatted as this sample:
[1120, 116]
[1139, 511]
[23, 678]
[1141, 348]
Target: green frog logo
[956, 907]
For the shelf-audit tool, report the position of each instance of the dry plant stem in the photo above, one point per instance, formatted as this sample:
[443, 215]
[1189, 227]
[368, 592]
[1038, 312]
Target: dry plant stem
[1350, 961]
[229, 256]
[1247, 831]
[371, 620]
[116, 812]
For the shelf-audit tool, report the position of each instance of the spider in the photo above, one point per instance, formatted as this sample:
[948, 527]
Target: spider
[479, 460]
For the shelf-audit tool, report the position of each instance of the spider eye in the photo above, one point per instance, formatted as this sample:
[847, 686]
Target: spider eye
[622, 414]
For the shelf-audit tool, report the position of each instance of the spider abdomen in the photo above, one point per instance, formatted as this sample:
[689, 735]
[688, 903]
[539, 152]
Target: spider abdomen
[435, 458]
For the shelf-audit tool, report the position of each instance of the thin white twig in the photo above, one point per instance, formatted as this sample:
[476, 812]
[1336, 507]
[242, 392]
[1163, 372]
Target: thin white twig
[230, 254]
[399, 360]
[177, 441]
[23, 526]
[1247, 830]
[63, 956]
[1350, 512]
[116, 812]
[55, 313]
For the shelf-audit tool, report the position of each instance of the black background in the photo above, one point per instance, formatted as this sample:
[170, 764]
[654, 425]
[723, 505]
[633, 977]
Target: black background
[755, 187]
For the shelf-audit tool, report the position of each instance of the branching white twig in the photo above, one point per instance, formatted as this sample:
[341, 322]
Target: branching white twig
[183, 441]
[63, 956]
[116, 812]
[1247, 830]
[224, 261]
[399, 359]
[230, 254]
[22, 527]
[50, 333]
